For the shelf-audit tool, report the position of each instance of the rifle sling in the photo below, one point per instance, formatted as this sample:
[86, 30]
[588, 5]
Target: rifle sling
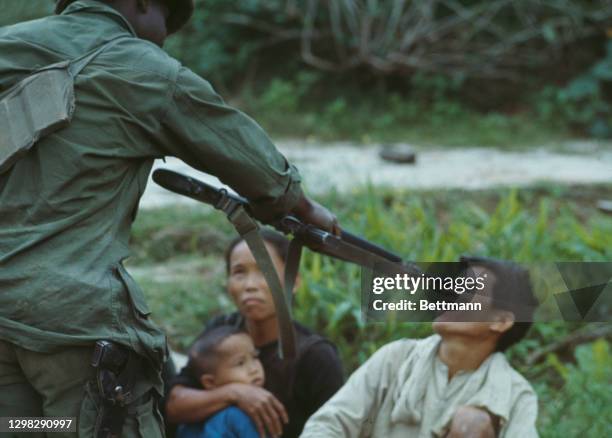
[249, 230]
[292, 267]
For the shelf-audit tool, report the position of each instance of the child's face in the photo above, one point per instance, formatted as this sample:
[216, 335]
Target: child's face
[247, 285]
[237, 363]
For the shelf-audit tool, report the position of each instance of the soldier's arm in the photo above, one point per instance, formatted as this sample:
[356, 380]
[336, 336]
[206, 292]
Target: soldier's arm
[206, 133]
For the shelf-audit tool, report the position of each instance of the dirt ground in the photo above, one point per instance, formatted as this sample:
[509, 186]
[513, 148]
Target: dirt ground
[343, 166]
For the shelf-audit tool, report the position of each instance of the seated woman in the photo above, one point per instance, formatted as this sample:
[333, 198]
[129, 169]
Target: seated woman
[293, 390]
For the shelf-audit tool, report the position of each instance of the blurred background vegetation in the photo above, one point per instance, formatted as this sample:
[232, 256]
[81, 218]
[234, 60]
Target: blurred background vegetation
[485, 72]
[400, 70]
[447, 73]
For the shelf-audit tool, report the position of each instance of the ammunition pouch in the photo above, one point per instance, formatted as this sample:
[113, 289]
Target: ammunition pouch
[116, 371]
[39, 105]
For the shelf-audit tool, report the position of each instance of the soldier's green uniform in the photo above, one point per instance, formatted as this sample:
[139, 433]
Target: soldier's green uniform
[66, 207]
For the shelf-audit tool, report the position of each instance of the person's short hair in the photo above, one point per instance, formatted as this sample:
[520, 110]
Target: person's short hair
[180, 11]
[512, 291]
[203, 354]
[278, 241]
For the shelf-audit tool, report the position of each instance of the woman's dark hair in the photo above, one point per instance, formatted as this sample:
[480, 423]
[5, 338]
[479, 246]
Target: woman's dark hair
[512, 291]
[279, 242]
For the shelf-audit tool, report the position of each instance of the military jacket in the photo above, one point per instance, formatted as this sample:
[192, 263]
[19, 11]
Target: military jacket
[67, 206]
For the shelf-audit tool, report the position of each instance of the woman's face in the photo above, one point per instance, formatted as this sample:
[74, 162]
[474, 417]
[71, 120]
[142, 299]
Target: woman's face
[247, 285]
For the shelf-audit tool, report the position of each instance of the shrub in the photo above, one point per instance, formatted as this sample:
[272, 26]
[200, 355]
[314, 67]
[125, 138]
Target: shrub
[581, 406]
[586, 102]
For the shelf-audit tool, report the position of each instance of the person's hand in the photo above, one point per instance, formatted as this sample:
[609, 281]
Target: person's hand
[471, 422]
[311, 212]
[261, 405]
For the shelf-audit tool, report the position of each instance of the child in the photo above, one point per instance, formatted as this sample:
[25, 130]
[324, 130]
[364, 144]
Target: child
[220, 356]
[456, 383]
[294, 389]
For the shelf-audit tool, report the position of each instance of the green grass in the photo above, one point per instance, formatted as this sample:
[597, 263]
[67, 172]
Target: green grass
[580, 405]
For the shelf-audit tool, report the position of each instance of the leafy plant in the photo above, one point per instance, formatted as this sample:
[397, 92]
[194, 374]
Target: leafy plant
[580, 407]
[584, 102]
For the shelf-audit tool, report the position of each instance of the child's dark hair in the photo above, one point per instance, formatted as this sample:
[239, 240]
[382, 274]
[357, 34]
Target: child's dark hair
[203, 353]
[512, 291]
[279, 242]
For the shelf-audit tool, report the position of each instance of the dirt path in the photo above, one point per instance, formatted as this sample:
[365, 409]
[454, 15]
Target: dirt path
[343, 166]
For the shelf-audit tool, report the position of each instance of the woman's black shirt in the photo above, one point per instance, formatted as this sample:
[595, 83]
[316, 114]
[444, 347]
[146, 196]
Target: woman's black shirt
[302, 385]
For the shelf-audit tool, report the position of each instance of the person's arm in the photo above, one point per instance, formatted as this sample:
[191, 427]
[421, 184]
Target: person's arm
[206, 133]
[190, 405]
[356, 403]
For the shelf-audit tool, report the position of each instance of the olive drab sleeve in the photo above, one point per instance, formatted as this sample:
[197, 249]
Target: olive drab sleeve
[205, 132]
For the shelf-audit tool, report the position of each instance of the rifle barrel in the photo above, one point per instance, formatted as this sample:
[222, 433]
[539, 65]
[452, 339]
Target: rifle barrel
[313, 237]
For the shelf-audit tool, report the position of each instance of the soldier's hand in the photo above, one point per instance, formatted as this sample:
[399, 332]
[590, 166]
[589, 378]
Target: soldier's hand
[266, 411]
[311, 212]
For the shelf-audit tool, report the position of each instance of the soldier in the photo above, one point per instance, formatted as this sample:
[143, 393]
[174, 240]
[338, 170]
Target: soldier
[67, 205]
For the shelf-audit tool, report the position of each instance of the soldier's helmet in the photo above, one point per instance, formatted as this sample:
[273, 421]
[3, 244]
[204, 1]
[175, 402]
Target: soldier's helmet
[180, 12]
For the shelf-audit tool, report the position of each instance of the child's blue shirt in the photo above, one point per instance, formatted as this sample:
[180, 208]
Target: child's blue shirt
[230, 422]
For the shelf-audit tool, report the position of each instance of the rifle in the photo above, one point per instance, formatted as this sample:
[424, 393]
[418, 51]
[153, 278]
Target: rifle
[347, 247]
